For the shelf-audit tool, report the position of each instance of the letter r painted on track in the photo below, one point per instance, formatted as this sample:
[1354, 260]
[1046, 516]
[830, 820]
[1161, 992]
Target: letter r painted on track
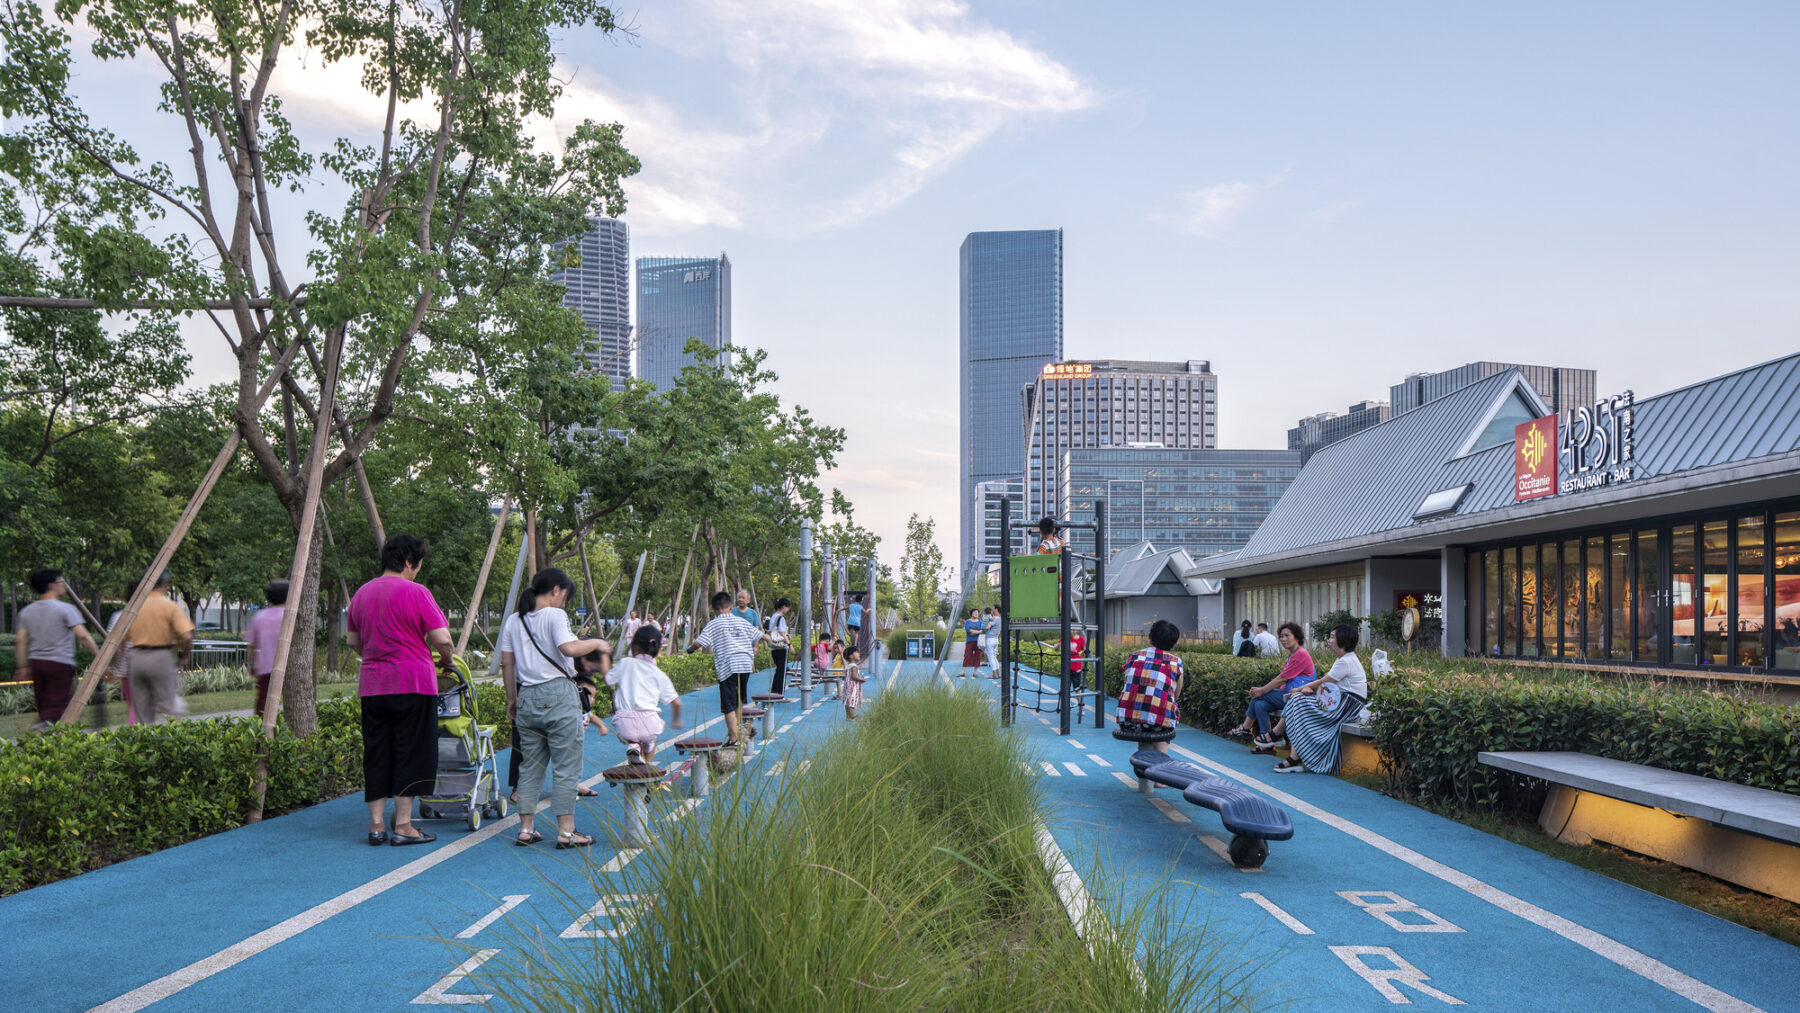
[1393, 904]
[1383, 978]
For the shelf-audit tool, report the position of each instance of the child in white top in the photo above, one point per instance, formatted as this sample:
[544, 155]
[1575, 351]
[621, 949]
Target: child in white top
[639, 691]
[853, 681]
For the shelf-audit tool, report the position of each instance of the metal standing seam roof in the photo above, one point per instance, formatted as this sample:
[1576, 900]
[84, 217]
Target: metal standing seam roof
[1135, 577]
[1372, 482]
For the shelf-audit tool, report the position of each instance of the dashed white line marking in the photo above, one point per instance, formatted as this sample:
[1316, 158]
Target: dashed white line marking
[1684, 985]
[1075, 769]
[804, 764]
[1281, 916]
[1218, 847]
[1077, 745]
[507, 903]
[1175, 815]
[618, 862]
[1049, 768]
[776, 769]
[681, 809]
[1130, 782]
[1096, 758]
[437, 995]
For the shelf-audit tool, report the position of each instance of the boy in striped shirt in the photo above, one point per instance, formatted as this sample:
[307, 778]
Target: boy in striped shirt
[732, 641]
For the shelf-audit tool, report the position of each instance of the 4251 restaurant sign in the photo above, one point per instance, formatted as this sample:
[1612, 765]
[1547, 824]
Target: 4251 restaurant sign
[1590, 448]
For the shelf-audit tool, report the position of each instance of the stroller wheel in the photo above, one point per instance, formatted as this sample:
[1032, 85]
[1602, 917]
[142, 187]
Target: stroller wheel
[426, 812]
[474, 818]
[500, 806]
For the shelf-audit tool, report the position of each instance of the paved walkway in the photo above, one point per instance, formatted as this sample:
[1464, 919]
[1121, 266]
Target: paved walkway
[1373, 903]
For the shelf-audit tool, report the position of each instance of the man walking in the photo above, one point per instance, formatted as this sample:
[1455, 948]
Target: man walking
[48, 629]
[161, 638]
[732, 642]
[744, 611]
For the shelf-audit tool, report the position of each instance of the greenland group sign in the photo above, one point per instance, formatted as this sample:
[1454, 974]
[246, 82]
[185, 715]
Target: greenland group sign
[1593, 447]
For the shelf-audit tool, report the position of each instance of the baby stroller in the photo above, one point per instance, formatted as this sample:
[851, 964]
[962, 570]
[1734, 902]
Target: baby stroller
[467, 777]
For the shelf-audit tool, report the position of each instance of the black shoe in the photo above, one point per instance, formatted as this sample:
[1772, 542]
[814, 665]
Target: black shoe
[398, 839]
[1269, 743]
[1290, 766]
[1237, 733]
[378, 839]
[1262, 751]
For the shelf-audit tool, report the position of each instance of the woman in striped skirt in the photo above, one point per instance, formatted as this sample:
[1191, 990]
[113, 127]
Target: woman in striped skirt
[1316, 710]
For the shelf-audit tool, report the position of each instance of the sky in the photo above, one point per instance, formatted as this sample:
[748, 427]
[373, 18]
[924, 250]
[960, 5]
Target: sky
[1319, 198]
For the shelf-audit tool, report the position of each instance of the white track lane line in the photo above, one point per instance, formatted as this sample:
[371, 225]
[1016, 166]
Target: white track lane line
[1168, 809]
[1129, 781]
[1075, 768]
[1218, 847]
[1281, 916]
[438, 994]
[507, 903]
[204, 968]
[681, 809]
[1075, 744]
[618, 862]
[1049, 768]
[1686, 986]
[1096, 758]
[1091, 927]
[776, 769]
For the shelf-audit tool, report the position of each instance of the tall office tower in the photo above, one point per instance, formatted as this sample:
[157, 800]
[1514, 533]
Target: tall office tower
[1326, 428]
[680, 298]
[1204, 501]
[988, 497]
[1109, 403]
[1011, 309]
[599, 288]
[1560, 387]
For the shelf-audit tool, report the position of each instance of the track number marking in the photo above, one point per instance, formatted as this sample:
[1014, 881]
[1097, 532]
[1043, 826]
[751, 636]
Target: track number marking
[1394, 904]
[1300, 928]
[440, 994]
[507, 903]
[1383, 979]
[623, 908]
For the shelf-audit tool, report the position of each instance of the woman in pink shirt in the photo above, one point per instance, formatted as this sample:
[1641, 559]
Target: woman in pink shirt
[395, 625]
[1268, 700]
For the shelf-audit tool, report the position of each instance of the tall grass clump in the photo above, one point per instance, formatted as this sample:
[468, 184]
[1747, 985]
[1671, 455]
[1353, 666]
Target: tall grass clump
[901, 872]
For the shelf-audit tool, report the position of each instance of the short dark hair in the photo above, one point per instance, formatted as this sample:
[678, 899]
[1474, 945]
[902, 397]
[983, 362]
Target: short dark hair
[852, 651]
[163, 579]
[1262, 626]
[276, 591]
[42, 579]
[1347, 637]
[721, 600]
[1294, 628]
[1047, 526]
[401, 551]
[1164, 634]
[647, 640]
[781, 603]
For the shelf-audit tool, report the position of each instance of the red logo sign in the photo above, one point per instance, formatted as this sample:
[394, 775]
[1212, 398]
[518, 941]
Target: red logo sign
[1534, 458]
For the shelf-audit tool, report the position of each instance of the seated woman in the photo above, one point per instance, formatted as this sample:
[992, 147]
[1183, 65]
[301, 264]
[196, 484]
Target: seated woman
[1316, 710]
[1151, 698]
[1268, 699]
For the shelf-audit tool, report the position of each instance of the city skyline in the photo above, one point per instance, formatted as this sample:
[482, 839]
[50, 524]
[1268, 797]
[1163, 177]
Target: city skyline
[599, 288]
[679, 298]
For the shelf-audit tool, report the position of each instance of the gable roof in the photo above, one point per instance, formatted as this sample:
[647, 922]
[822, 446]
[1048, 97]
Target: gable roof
[1134, 577]
[1370, 484]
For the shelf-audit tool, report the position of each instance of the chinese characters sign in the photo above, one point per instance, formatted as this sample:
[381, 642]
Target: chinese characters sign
[1592, 447]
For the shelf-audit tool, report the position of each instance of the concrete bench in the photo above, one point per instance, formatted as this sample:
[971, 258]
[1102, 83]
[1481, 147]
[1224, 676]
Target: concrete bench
[1744, 835]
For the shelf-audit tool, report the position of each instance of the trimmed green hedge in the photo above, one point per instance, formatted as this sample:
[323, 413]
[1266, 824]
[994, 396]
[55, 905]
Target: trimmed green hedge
[77, 800]
[1433, 722]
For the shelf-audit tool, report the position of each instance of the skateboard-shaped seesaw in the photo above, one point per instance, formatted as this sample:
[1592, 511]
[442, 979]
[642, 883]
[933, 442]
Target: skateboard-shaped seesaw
[1252, 820]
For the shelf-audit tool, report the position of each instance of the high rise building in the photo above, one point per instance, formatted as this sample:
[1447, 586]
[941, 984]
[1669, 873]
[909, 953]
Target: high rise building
[681, 298]
[1326, 428]
[1011, 324]
[1204, 501]
[987, 498]
[1112, 402]
[599, 288]
[1560, 387]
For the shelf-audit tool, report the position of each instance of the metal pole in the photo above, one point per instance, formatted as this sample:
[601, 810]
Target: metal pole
[1099, 645]
[827, 628]
[806, 555]
[1006, 674]
[512, 595]
[1065, 579]
[871, 628]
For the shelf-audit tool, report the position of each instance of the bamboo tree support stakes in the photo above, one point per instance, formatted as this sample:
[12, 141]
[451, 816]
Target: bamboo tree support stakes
[109, 648]
[512, 595]
[487, 563]
[588, 572]
[309, 514]
[675, 606]
[631, 599]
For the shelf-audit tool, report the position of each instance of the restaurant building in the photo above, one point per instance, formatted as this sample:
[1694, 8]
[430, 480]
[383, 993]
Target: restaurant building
[1656, 532]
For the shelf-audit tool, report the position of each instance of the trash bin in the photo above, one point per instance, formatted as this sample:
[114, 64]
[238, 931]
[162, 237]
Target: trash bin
[921, 644]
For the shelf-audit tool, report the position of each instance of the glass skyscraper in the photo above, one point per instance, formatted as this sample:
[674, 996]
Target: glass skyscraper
[1204, 501]
[680, 298]
[599, 288]
[1011, 324]
[1562, 388]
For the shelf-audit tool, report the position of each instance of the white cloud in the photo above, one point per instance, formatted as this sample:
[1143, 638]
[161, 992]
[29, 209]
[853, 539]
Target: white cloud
[837, 110]
[1209, 210]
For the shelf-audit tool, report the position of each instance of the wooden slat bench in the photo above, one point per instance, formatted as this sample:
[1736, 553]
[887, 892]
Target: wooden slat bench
[1744, 835]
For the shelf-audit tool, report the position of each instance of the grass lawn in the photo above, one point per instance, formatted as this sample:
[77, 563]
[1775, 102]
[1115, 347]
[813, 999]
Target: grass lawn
[13, 726]
[1771, 916]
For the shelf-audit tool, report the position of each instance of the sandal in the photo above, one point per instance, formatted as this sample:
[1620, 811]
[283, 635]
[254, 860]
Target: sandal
[528, 838]
[583, 791]
[573, 839]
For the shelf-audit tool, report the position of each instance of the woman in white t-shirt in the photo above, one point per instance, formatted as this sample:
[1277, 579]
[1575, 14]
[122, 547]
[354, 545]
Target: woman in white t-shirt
[537, 652]
[1314, 712]
[639, 691]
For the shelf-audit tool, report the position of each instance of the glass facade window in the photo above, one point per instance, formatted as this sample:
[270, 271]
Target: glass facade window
[1648, 613]
[1571, 598]
[1751, 618]
[1681, 595]
[1530, 610]
[1593, 603]
[1786, 654]
[681, 298]
[1550, 591]
[1509, 601]
[1618, 585]
[1715, 601]
[1490, 602]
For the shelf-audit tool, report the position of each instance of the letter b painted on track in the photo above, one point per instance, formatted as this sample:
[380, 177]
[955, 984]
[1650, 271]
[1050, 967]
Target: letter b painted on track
[1395, 904]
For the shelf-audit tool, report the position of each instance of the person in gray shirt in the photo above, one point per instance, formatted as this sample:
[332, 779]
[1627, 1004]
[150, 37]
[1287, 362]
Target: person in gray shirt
[45, 650]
